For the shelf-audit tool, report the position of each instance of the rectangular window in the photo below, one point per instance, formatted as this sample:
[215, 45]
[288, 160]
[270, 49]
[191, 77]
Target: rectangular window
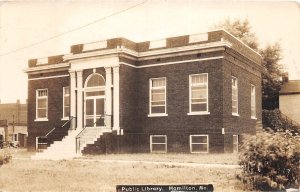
[158, 143]
[42, 104]
[234, 86]
[235, 143]
[66, 102]
[253, 102]
[199, 144]
[198, 94]
[158, 96]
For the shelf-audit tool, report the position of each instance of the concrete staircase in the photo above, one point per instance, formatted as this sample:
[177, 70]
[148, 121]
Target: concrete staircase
[89, 136]
[64, 149]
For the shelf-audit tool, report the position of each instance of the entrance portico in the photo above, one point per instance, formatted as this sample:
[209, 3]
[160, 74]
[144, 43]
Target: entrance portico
[95, 100]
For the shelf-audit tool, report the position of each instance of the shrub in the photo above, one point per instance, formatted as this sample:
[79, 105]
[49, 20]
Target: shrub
[5, 155]
[270, 161]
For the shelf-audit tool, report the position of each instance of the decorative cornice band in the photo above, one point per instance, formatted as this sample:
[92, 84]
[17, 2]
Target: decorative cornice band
[49, 77]
[172, 63]
[139, 55]
[47, 67]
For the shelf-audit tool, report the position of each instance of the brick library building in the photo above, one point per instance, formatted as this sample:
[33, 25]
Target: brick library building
[196, 93]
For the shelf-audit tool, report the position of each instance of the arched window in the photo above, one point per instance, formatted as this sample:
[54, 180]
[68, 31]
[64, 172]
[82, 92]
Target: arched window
[95, 80]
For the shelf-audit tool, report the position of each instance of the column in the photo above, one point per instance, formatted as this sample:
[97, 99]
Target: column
[116, 99]
[79, 100]
[72, 98]
[108, 99]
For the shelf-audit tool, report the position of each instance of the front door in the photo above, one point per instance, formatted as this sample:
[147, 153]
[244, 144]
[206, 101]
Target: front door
[94, 108]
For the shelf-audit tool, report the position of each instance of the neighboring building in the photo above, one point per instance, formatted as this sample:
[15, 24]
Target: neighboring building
[289, 99]
[14, 123]
[3, 130]
[194, 93]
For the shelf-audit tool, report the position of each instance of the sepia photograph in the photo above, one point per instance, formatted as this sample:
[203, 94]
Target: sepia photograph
[149, 96]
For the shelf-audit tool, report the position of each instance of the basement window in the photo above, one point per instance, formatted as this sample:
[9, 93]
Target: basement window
[235, 143]
[199, 144]
[158, 143]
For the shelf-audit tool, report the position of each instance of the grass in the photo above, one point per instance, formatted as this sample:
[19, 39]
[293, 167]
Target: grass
[96, 175]
[227, 159]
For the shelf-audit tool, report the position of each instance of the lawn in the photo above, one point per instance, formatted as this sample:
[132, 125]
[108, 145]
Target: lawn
[94, 173]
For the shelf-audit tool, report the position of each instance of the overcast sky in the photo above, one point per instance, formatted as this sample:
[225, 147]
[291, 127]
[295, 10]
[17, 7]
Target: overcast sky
[23, 24]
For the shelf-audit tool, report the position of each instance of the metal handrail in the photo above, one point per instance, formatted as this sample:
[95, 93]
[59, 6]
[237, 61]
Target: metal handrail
[78, 137]
[46, 136]
[289, 119]
[71, 118]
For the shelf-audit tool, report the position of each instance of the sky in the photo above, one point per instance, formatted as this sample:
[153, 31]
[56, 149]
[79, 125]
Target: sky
[36, 29]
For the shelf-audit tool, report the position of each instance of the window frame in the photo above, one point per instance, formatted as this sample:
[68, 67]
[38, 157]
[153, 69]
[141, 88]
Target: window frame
[191, 144]
[151, 114]
[37, 97]
[66, 95]
[235, 149]
[237, 96]
[190, 96]
[166, 144]
[253, 101]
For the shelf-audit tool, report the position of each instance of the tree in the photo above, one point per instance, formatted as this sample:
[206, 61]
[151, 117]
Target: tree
[271, 56]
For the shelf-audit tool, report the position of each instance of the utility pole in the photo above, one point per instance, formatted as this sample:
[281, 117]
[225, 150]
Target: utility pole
[13, 126]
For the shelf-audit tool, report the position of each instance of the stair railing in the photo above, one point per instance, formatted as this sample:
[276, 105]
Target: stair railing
[78, 136]
[291, 123]
[44, 144]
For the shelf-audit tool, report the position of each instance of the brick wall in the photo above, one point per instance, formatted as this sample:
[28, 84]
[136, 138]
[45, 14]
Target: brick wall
[55, 105]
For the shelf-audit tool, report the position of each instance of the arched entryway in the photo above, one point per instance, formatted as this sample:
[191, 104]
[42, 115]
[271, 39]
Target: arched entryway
[94, 101]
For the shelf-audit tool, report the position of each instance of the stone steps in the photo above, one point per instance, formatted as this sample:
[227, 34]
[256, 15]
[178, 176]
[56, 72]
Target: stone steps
[66, 148]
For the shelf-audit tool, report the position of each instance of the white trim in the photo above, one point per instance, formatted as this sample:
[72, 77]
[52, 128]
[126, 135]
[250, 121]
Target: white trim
[116, 98]
[94, 45]
[158, 43]
[166, 144]
[49, 77]
[158, 115]
[237, 96]
[36, 105]
[222, 29]
[235, 114]
[195, 38]
[172, 63]
[150, 97]
[79, 99]
[190, 96]
[191, 144]
[42, 61]
[147, 53]
[64, 95]
[93, 98]
[253, 99]
[65, 119]
[199, 113]
[108, 97]
[47, 67]
[41, 119]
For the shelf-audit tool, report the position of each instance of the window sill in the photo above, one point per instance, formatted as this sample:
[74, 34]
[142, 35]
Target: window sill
[41, 119]
[199, 152]
[235, 114]
[255, 118]
[199, 113]
[65, 119]
[158, 115]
